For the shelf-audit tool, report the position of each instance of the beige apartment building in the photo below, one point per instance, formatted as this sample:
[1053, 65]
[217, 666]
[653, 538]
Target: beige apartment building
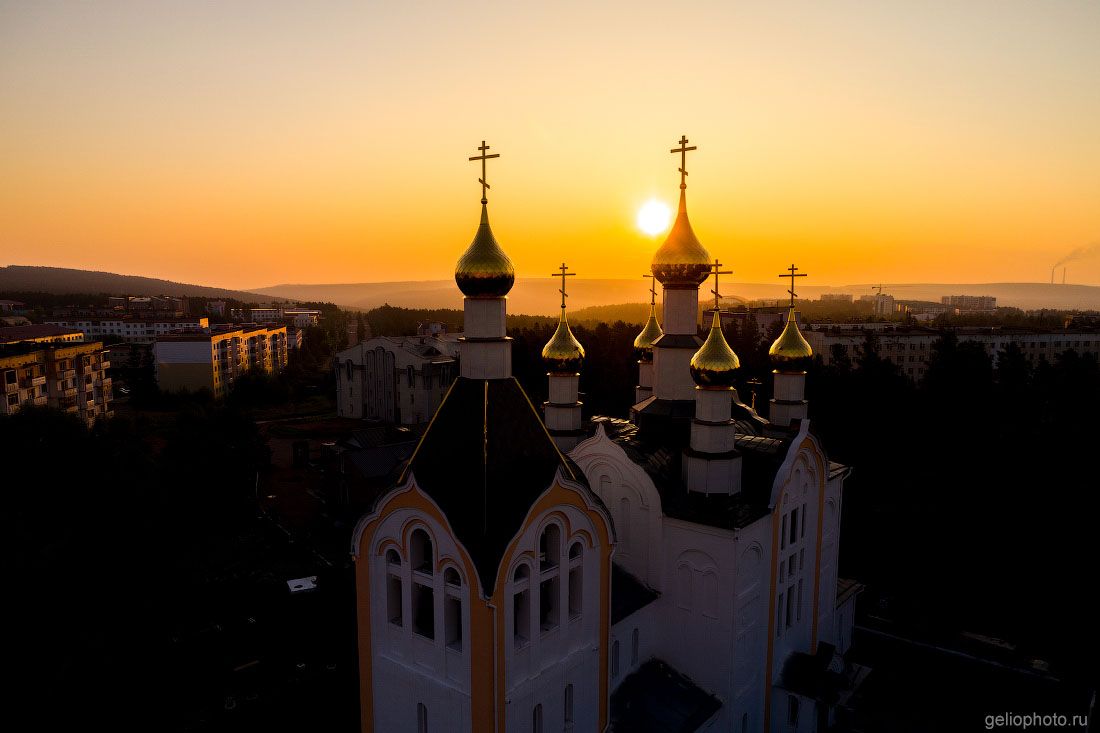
[67, 376]
[213, 361]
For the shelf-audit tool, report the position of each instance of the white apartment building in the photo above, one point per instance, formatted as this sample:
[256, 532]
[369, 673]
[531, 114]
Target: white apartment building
[132, 329]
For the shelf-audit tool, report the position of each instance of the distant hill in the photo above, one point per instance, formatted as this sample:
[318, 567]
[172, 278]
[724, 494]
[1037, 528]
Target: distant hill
[538, 296]
[24, 278]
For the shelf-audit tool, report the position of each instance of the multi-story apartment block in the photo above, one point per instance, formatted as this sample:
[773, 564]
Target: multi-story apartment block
[67, 376]
[836, 297]
[41, 334]
[214, 360]
[970, 302]
[911, 348]
[401, 380]
[130, 328]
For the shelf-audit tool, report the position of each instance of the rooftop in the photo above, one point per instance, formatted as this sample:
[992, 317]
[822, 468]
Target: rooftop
[658, 699]
[12, 334]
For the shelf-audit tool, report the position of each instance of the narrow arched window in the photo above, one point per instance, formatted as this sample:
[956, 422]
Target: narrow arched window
[536, 719]
[521, 606]
[421, 551]
[568, 714]
[421, 718]
[392, 558]
[624, 524]
[634, 644]
[615, 659]
[550, 547]
[450, 577]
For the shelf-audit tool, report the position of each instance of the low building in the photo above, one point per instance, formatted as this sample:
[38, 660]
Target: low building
[131, 328]
[836, 298]
[302, 318]
[12, 306]
[216, 308]
[214, 360]
[400, 380]
[40, 333]
[66, 376]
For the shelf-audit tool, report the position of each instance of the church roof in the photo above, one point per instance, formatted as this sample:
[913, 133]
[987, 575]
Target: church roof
[628, 594]
[761, 457]
[484, 459]
[658, 699]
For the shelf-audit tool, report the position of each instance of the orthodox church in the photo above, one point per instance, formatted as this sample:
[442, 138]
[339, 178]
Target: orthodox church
[537, 571]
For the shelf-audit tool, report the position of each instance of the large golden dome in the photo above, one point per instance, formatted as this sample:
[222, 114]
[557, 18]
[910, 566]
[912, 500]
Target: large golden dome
[791, 344]
[651, 332]
[563, 354]
[484, 270]
[714, 364]
[682, 261]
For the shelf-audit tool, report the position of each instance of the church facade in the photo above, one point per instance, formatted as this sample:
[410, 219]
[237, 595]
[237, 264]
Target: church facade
[536, 571]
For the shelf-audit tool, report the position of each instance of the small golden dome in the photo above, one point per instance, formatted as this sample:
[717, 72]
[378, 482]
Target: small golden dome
[484, 270]
[791, 345]
[651, 332]
[563, 354]
[682, 261]
[714, 364]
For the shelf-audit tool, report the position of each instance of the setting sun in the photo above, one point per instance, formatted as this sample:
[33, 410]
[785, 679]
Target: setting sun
[654, 216]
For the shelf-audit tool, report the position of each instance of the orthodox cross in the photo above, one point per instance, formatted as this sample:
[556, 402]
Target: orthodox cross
[716, 272]
[652, 289]
[683, 151]
[563, 274]
[484, 157]
[790, 273]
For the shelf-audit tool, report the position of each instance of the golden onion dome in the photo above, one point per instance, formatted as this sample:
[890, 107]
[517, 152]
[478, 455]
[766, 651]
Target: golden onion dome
[563, 354]
[682, 261]
[714, 364]
[791, 345]
[484, 270]
[652, 331]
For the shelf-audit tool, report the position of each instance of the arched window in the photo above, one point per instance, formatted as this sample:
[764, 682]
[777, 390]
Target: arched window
[421, 718]
[792, 710]
[392, 558]
[421, 551]
[521, 606]
[536, 719]
[624, 524]
[744, 723]
[576, 579]
[615, 659]
[394, 600]
[550, 547]
[450, 577]
[683, 586]
[569, 707]
[634, 644]
[710, 595]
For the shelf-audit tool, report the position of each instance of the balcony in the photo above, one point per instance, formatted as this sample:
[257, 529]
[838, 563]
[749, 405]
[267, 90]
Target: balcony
[70, 392]
[10, 387]
[29, 382]
[40, 400]
[106, 364]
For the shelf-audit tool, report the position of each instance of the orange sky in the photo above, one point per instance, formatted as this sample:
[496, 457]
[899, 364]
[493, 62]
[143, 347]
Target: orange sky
[252, 143]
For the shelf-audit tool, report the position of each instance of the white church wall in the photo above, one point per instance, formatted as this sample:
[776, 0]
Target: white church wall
[635, 505]
[413, 667]
[750, 625]
[634, 640]
[552, 645]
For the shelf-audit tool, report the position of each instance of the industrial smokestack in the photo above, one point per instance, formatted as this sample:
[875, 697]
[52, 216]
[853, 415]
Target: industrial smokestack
[1052, 274]
[1063, 276]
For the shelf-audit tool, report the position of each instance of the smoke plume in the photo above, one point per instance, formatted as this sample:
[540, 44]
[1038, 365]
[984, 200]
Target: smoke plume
[1089, 250]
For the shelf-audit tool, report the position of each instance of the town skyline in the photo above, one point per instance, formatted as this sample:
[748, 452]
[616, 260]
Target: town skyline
[899, 144]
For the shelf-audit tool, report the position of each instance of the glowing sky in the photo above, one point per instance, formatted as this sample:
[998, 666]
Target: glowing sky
[250, 143]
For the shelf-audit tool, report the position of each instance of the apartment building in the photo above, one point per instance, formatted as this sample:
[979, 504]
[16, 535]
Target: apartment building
[67, 376]
[40, 333]
[214, 360]
[985, 303]
[132, 328]
[911, 348]
[400, 380]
